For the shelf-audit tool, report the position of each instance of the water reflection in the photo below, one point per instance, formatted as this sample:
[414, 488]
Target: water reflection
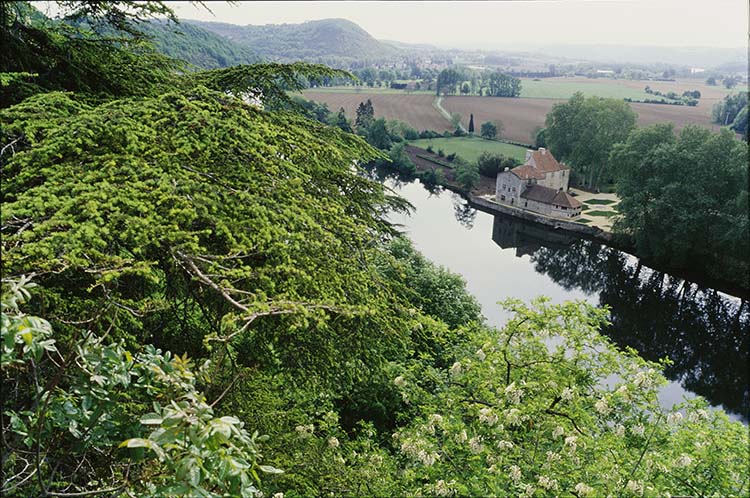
[704, 332]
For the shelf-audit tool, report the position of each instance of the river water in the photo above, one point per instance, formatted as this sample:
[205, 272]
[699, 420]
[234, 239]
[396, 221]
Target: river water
[703, 331]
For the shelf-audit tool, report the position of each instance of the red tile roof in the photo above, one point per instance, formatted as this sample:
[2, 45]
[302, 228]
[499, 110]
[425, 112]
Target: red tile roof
[545, 162]
[526, 171]
[548, 195]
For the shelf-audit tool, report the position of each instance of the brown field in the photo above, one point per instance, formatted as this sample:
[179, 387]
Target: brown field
[521, 116]
[415, 110]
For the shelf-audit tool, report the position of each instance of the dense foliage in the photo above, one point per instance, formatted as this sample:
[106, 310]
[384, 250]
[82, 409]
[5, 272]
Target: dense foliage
[198, 46]
[582, 132]
[685, 199]
[223, 309]
[732, 112]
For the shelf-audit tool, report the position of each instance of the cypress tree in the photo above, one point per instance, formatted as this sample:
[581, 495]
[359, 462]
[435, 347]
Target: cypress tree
[471, 123]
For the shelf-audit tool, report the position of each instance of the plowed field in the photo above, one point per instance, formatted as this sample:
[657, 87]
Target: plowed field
[415, 110]
[521, 116]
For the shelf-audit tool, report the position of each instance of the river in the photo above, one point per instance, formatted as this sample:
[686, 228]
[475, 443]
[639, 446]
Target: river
[703, 331]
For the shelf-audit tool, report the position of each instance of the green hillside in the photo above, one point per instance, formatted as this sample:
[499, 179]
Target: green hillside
[311, 41]
[198, 46]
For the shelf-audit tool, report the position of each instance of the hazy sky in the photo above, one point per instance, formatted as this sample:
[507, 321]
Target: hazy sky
[684, 23]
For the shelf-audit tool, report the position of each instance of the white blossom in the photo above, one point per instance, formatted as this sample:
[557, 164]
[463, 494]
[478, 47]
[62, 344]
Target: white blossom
[697, 415]
[528, 490]
[515, 473]
[305, 430]
[487, 416]
[436, 419]
[456, 368]
[278, 495]
[480, 354]
[547, 482]
[504, 445]
[557, 432]
[553, 457]
[684, 460]
[673, 418]
[567, 394]
[513, 416]
[475, 444]
[635, 487]
[399, 381]
[602, 406]
[583, 490]
[461, 436]
[427, 458]
[513, 393]
[443, 488]
[333, 442]
[619, 430]
[638, 430]
[571, 442]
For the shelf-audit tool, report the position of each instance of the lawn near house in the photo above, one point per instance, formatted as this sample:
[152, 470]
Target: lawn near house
[470, 148]
[599, 210]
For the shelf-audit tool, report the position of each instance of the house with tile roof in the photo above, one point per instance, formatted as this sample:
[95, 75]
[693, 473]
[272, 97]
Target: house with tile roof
[540, 185]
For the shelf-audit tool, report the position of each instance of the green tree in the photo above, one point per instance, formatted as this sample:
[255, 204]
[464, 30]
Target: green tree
[488, 130]
[465, 89]
[341, 122]
[711, 81]
[582, 131]
[447, 81]
[378, 136]
[471, 123]
[365, 116]
[455, 120]
[504, 85]
[684, 198]
[490, 164]
[467, 174]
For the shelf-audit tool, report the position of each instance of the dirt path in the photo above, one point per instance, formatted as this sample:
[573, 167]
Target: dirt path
[437, 104]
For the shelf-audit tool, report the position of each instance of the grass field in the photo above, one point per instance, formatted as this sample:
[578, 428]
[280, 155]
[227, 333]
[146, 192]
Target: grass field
[470, 148]
[564, 88]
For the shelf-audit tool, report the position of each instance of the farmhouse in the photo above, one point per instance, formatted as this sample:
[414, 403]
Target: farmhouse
[540, 184]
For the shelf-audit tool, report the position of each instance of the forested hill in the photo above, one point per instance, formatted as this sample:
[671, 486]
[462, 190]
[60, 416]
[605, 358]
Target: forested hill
[198, 46]
[310, 41]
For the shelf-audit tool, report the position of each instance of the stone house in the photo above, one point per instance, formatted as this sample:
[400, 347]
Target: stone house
[540, 185]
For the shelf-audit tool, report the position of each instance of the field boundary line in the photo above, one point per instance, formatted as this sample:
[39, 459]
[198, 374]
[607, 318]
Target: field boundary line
[437, 104]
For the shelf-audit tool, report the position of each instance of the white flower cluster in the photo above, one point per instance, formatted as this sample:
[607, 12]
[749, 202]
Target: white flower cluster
[461, 437]
[305, 430]
[487, 416]
[456, 369]
[553, 457]
[442, 488]
[515, 473]
[635, 487]
[547, 482]
[602, 406]
[638, 430]
[399, 382]
[436, 419]
[567, 394]
[480, 354]
[416, 450]
[684, 460]
[528, 490]
[583, 490]
[504, 445]
[557, 432]
[333, 442]
[278, 495]
[673, 418]
[644, 379]
[513, 417]
[698, 415]
[475, 444]
[619, 430]
[571, 443]
[513, 394]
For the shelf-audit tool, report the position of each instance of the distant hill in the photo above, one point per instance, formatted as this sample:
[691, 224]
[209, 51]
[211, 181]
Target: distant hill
[312, 41]
[197, 46]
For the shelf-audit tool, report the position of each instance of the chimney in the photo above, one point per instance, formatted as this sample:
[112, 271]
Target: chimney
[506, 169]
[542, 150]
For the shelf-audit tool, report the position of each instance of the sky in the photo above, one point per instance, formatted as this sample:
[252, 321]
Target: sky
[672, 23]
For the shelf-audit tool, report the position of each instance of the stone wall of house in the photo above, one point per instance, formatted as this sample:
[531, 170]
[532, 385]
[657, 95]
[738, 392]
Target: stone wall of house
[508, 188]
[556, 180]
[549, 209]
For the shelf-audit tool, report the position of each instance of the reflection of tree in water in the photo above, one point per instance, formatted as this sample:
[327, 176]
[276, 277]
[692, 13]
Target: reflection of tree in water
[705, 333]
[464, 213]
